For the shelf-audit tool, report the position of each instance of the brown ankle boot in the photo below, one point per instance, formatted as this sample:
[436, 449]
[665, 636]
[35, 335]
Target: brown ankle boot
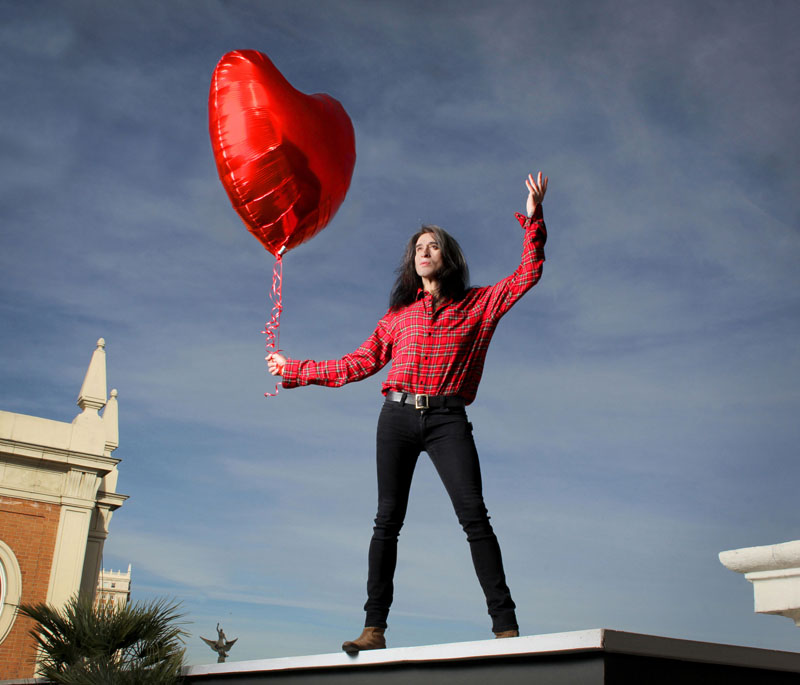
[507, 633]
[371, 638]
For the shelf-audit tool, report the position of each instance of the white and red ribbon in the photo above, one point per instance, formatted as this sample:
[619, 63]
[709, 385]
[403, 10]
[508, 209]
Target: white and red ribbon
[272, 327]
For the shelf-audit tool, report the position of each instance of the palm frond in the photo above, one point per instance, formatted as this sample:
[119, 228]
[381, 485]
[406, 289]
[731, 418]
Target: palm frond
[138, 643]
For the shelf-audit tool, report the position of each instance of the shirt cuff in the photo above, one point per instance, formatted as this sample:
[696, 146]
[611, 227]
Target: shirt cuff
[290, 372]
[526, 221]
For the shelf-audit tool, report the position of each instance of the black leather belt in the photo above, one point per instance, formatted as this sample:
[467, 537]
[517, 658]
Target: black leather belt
[409, 399]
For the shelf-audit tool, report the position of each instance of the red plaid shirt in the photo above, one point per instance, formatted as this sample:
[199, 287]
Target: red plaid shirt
[435, 353]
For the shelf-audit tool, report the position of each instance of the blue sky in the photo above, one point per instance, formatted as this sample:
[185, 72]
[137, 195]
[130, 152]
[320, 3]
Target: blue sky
[638, 412]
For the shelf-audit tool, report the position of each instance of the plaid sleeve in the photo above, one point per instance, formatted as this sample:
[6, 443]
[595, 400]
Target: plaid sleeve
[504, 294]
[369, 358]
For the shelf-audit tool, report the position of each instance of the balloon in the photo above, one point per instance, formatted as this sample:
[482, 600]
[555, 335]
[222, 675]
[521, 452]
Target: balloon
[285, 158]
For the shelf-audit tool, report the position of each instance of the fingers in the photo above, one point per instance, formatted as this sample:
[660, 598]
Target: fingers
[275, 363]
[537, 187]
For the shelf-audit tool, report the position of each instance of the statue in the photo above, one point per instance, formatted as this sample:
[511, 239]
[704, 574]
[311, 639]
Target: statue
[221, 645]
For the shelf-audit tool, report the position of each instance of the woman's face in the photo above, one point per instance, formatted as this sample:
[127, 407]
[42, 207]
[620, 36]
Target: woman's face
[427, 256]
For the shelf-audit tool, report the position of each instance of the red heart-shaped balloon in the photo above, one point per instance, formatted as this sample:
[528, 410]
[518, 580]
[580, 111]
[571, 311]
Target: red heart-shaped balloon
[285, 158]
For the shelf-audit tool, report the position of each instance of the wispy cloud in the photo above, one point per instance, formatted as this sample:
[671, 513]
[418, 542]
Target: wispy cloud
[638, 410]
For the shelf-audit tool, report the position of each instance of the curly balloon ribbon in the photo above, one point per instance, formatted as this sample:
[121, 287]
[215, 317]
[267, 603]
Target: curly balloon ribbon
[271, 328]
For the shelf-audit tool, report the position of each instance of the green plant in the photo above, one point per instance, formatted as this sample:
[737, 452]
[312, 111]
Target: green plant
[86, 645]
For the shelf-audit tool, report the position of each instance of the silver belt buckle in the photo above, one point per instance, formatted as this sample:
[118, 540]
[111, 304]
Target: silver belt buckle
[421, 402]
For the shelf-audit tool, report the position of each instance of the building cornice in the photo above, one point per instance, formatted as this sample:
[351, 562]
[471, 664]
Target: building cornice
[22, 451]
[85, 436]
[112, 500]
[774, 571]
[66, 480]
[764, 558]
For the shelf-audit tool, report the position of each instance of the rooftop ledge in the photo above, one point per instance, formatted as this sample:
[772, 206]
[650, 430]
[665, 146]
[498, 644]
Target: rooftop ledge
[774, 571]
[765, 558]
[629, 652]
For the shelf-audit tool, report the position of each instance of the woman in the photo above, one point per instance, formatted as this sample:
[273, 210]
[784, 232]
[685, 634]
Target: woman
[436, 334]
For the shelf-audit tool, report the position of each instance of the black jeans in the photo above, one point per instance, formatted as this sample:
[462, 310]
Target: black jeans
[446, 435]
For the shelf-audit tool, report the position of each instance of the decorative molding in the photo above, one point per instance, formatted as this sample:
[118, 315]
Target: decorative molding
[764, 558]
[56, 482]
[112, 500]
[81, 485]
[101, 518]
[23, 449]
[774, 571]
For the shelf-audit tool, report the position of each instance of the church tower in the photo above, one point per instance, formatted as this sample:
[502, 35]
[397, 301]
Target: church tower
[58, 490]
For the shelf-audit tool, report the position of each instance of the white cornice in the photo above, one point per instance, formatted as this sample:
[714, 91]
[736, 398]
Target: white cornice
[112, 500]
[29, 452]
[774, 571]
[87, 436]
[57, 481]
[764, 558]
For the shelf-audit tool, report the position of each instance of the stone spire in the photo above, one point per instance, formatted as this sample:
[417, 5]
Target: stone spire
[92, 396]
[93, 390]
[111, 421]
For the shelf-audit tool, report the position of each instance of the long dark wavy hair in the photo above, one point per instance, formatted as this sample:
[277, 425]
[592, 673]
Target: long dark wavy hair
[453, 276]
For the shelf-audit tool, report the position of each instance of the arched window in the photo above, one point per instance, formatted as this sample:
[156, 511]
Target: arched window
[10, 589]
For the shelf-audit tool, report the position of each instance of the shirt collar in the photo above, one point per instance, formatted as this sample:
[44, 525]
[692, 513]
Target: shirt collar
[421, 293]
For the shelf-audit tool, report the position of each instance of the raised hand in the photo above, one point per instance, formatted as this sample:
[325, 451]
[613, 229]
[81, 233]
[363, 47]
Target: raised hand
[536, 190]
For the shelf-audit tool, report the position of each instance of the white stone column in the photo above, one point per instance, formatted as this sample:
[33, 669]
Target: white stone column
[69, 554]
[774, 571]
[98, 532]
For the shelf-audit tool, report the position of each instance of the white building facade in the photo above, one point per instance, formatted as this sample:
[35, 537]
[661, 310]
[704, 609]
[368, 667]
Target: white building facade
[58, 491]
